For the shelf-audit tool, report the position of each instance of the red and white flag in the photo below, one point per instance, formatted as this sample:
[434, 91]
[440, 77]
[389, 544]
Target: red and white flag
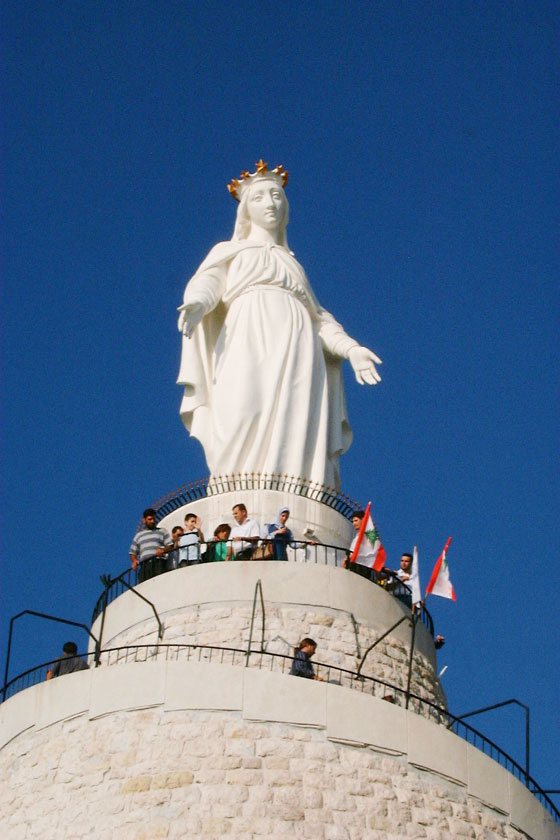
[368, 529]
[439, 582]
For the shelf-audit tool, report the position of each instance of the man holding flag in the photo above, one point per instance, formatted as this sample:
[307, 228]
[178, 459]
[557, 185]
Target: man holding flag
[366, 555]
[399, 585]
[405, 584]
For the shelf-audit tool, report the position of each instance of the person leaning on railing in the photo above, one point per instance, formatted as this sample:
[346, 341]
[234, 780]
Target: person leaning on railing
[363, 563]
[173, 556]
[245, 534]
[190, 540]
[69, 662]
[218, 549]
[401, 580]
[148, 544]
[277, 537]
[301, 666]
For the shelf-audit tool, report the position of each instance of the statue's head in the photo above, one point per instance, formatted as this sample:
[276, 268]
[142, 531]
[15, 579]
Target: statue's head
[255, 189]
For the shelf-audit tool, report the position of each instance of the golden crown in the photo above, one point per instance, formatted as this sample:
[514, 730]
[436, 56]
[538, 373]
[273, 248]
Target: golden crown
[236, 187]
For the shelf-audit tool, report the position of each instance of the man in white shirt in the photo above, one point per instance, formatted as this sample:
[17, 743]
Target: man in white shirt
[244, 535]
[404, 574]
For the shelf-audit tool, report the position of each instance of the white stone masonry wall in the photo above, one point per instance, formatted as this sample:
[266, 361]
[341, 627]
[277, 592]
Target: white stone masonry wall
[147, 774]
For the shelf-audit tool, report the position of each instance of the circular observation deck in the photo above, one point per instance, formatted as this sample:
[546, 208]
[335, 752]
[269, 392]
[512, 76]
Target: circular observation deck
[270, 606]
[217, 604]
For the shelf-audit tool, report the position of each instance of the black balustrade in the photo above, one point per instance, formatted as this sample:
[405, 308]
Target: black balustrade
[242, 482]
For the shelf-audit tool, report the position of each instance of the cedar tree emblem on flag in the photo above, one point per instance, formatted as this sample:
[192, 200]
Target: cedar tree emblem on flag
[440, 583]
[368, 529]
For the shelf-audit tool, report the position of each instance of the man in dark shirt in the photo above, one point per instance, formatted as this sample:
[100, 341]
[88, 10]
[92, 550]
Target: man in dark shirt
[69, 662]
[173, 556]
[301, 666]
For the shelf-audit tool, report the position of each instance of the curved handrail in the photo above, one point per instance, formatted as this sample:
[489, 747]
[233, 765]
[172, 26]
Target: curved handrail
[351, 679]
[303, 551]
[217, 485]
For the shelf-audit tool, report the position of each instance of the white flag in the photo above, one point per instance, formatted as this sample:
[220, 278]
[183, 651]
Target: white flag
[414, 581]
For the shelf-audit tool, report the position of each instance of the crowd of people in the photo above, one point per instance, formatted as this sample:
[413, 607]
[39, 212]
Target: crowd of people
[154, 550]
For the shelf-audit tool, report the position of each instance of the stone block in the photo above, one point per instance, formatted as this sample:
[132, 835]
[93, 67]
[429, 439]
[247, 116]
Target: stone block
[362, 719]
[433, 747]
[138, 784]
[172, 780]
[131, 686]
[276, 762]
[244, 777]
[487, 780]
[18, 714]
[280, 697]
[527, 814]
[215, 826]
[63, 697]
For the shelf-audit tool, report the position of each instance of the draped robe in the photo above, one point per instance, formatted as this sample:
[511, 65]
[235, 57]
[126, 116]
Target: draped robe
[262, 378]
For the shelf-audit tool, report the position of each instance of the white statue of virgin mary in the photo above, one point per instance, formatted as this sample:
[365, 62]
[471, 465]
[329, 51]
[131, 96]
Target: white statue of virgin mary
[261, 359]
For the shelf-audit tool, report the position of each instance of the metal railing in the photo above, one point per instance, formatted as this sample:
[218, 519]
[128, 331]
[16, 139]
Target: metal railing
[298, 552]
[204, 487]
[281, 663]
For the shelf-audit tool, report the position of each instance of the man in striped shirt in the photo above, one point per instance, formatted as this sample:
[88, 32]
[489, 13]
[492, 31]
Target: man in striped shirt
[149, 544]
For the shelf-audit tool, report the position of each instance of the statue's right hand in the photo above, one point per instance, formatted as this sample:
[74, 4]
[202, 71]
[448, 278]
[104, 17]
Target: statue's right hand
[190, 316]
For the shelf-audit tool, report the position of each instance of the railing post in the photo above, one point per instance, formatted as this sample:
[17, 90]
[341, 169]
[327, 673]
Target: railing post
[527, 743]
[258, 588]
[527, 724]
[380, 639]
[8, 656]
[143, 598]
[106, 580]
[414, 622]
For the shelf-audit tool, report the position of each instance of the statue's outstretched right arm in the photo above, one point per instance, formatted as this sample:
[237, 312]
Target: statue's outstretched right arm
[202, 294]
[205, 290]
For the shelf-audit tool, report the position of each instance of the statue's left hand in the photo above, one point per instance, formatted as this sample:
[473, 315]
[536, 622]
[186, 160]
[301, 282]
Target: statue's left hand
[363, 362]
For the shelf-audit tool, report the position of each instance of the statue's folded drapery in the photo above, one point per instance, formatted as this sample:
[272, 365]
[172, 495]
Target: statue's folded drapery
[262, 372]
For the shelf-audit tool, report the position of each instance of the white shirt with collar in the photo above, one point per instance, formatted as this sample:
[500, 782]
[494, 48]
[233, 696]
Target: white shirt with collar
[249, 528]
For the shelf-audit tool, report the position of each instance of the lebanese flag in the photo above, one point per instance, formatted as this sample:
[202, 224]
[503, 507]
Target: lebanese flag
[368, 529]
[439, 582]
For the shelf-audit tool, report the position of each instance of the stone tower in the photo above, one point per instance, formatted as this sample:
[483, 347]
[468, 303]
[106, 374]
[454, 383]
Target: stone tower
[193, 727]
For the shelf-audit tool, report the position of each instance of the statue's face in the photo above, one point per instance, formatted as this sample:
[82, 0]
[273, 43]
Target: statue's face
[266, 205]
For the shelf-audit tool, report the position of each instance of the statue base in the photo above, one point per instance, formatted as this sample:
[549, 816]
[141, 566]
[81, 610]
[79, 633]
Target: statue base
[316, 512]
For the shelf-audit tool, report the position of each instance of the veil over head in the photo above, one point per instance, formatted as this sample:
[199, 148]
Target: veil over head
[243, 222]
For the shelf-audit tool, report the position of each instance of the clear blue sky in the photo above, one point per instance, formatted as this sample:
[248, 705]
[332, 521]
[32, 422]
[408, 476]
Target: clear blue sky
[420, 140]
